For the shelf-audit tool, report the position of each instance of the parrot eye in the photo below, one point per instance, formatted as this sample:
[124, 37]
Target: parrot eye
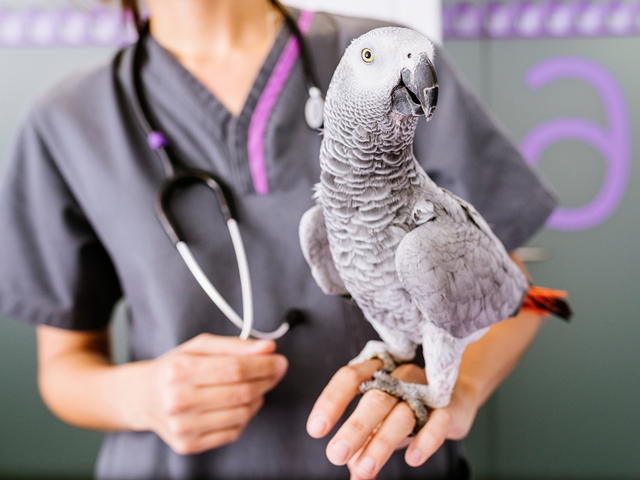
[367, 55]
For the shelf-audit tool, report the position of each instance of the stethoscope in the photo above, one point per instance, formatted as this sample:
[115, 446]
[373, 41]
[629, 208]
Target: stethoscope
[178, 177]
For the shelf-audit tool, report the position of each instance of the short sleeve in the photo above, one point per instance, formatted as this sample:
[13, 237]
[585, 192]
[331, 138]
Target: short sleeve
[53, 268]
[465, 150]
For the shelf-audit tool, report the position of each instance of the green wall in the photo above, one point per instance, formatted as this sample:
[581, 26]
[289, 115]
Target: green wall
[568, 411]
[33, 443]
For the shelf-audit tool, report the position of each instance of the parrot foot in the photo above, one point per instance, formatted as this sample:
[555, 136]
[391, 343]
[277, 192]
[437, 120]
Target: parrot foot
[411, 393]
[376, 349]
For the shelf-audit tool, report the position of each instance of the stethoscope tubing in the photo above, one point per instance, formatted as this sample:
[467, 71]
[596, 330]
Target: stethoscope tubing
[244, 324]
[178, 177]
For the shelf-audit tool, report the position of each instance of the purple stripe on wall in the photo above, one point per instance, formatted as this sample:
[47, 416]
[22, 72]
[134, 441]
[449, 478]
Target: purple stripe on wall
[68, 27]
[462, 21]
[543, 19]
[258, 123]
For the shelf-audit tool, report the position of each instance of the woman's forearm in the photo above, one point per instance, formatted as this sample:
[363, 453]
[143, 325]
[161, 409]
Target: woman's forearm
[487, 362]
[198, 396]
[80, 385]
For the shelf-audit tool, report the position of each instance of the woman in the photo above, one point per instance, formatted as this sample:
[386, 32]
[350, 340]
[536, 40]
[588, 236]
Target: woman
[78, 231]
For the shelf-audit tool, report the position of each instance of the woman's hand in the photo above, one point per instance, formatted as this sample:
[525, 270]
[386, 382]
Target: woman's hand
[196, 397]
[381, 424]
[204, 392]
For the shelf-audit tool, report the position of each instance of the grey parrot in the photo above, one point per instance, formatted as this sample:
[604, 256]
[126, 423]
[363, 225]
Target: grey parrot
[421, 263]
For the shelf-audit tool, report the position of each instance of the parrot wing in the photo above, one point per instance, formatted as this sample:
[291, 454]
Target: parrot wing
[459, 273]
[315, 248]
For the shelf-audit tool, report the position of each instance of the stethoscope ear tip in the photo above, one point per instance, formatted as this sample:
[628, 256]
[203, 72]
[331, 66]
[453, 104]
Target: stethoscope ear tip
[294, 317]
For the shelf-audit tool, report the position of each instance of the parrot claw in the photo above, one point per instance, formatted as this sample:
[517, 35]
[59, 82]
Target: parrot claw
[376, 349]
[411, 393]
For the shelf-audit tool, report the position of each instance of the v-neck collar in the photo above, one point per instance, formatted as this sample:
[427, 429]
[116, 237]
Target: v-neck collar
[166, 69]
[240, 140]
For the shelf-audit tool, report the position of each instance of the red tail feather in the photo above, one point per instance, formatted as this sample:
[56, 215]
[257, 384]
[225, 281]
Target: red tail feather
[545, 300]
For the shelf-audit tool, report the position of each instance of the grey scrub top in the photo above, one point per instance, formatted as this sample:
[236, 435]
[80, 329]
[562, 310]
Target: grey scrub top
[78, 231]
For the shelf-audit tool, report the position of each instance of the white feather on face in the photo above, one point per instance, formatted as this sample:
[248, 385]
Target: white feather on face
[368, 85]
[392, 49]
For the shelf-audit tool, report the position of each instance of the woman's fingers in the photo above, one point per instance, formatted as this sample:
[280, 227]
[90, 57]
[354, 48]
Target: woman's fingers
[372, 409]
[182, 400]
[353, 473]
[337, 395]
[208, 441]
[208, 344]
[378, 419]
[430, 438]
[197, 424]
[199, 369]
[391, 432]
[192, 433]
[205, 391]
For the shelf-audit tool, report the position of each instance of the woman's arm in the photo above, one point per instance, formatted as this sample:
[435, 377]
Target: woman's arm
[380, 424]
[77, 381]
[485, 364]
[196, 397]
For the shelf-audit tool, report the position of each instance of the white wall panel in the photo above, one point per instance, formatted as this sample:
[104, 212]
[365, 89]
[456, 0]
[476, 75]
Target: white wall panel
[424, 16]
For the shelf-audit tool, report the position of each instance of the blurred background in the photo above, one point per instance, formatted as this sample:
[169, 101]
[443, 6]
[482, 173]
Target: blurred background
[563, 77]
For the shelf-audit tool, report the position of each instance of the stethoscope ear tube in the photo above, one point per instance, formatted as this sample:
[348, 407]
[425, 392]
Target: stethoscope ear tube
[245, 280]
[172, 229]
[293, 316]
[182, 179]
[179, 178]
[244, 324]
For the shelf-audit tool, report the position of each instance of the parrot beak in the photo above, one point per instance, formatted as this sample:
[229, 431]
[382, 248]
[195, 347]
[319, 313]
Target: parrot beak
[417, 92]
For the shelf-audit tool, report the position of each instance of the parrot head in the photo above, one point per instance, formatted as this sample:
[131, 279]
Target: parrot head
[387, 71]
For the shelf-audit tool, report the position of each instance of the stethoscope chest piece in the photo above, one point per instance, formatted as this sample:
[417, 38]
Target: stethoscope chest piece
[314, 109]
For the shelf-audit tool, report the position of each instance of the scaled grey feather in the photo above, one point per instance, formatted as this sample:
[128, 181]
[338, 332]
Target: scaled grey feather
[458, 271]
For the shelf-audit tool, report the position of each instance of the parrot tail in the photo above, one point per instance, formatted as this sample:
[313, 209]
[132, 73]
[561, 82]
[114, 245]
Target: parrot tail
[545, 300]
